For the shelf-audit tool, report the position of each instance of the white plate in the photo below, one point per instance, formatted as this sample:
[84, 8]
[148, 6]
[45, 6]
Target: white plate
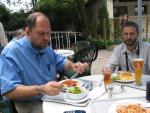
[123, 81]
[113, 107]
[80, 82]
[74, 101]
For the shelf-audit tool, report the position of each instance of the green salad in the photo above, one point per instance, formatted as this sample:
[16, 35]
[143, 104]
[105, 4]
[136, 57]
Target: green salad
[75, 90]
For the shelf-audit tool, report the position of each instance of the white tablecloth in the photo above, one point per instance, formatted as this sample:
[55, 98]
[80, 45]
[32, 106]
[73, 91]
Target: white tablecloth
[65, 53]
[51, 107]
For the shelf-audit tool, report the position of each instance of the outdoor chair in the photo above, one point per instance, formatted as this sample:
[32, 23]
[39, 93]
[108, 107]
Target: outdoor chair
[88, 54]
[7, 106]
[78, 46]
[81, 45]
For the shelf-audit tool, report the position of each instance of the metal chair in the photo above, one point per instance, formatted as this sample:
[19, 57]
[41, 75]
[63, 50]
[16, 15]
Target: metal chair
[88, 54]
[7, 106]
[81, 45]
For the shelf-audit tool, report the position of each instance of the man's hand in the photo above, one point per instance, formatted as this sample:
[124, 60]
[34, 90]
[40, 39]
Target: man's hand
[51, 88]
[79, 67]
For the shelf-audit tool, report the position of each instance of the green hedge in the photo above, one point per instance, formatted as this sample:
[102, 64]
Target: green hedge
[100, 43]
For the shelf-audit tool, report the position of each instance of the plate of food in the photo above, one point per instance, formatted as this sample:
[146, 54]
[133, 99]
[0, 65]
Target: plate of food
[76, 94]
[72, 82]
[123, 77]
[128, 106]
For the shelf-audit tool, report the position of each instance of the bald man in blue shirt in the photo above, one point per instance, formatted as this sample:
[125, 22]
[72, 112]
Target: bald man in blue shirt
[34, 66]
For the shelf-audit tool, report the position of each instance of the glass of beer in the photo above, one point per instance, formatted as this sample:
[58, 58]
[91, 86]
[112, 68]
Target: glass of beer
[138, 64]
[107, 75]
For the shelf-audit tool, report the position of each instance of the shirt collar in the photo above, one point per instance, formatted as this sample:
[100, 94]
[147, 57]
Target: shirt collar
[124, 49]
[33, 50]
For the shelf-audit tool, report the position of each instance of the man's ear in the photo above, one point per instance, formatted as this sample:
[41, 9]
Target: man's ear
[27, 30]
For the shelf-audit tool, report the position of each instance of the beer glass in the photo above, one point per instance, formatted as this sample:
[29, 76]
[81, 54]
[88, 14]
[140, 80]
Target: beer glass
[138, 64]
[107, 75]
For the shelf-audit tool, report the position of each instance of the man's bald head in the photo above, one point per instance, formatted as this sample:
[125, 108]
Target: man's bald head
[32, 19]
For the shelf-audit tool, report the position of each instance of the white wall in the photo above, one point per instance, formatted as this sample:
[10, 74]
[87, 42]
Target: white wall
[110, 8]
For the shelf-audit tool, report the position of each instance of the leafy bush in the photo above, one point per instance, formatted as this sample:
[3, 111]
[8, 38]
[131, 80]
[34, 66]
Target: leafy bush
[95, 42]
[117, 41]
[104, 25]
[147, 40]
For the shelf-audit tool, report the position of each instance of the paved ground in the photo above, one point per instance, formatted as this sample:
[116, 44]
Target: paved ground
[99, 63]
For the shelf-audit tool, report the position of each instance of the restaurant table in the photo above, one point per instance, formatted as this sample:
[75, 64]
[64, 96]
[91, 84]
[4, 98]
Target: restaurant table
[64, 52]
[100, 104]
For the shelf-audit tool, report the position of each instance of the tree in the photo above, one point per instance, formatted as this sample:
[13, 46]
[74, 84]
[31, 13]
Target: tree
[104, 26]
[87, 13]
[84, 12]
[4, 15]
[63, 15]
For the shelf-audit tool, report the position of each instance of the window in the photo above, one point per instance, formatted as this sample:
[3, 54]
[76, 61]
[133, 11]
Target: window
[144, 9]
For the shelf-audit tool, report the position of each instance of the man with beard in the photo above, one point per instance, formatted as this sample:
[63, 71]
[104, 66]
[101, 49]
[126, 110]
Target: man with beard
[34, 66]
[123, 55]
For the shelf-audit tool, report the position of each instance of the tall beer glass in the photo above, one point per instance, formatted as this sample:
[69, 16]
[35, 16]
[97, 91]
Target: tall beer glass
[138, 64]
[107, 75]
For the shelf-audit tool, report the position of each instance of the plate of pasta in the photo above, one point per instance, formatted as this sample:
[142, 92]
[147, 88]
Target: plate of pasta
[72, 82]
[128, 106]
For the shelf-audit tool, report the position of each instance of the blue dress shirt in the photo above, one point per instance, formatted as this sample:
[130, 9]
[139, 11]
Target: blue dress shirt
[31, 66]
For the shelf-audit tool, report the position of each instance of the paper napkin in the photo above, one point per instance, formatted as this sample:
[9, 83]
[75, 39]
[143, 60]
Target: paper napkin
[97, 92]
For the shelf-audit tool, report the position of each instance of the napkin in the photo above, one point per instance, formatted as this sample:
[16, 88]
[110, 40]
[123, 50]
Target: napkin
[96, 92]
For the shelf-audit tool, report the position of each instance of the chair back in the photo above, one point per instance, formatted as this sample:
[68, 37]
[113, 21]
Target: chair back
[88, 54]
[81, 45]
[7, 106]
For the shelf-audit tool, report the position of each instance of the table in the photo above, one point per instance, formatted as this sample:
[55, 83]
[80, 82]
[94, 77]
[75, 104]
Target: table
[64, 52]
[93, 106]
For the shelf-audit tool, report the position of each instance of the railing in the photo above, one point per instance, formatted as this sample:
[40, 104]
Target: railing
[64, 39]
[58, 39]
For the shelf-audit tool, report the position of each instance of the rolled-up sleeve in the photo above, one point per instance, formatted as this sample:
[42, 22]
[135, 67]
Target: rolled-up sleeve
[113, 61]
[61, 61]
[9, 79]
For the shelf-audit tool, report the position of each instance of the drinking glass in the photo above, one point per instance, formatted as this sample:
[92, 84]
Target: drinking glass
[107, 75]
[138, 64]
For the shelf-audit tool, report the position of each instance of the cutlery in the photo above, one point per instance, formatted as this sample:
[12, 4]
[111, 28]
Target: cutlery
[90, 86]
[64, 90]
[74, 76]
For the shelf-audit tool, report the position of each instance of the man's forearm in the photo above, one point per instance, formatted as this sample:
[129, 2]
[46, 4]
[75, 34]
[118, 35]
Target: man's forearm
[69, 65]
[23, 92]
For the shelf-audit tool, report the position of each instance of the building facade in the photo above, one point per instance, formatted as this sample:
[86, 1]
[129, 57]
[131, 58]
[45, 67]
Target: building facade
[130, 7]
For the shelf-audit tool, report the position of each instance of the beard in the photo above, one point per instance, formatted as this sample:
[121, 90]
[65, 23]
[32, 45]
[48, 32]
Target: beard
[130, 42]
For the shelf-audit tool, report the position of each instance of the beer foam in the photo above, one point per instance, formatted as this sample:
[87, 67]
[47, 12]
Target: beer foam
[138, 59]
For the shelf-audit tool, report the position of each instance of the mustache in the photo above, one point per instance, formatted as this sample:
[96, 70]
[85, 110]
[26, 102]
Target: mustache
[129, 40]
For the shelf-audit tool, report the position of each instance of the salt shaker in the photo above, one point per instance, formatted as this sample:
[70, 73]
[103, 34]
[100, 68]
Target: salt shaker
[110, 91]
[148, 91]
